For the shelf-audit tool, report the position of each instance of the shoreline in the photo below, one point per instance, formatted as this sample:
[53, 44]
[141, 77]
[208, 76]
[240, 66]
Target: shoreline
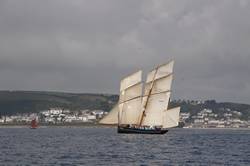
[226, 128]
[98, 125]
[44, 125]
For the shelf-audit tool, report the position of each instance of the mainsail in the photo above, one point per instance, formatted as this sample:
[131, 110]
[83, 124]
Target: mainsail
[157, 94]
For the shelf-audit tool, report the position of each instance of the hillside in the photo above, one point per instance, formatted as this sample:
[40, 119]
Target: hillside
[195, 107]
[12, 102]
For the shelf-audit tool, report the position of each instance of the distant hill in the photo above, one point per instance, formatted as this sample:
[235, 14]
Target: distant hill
[219, 108]
[12, 102]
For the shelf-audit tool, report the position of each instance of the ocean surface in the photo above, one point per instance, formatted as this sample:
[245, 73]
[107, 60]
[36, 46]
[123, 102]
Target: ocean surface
[103, 146]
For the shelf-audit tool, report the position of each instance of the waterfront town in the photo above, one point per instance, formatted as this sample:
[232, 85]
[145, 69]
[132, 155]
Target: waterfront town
[208, 119]
[203, 119]
[56, 116]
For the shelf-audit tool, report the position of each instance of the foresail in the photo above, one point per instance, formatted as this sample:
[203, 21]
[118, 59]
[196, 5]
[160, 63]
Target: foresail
[130, 99]
[171, 117]
[112, 117]
[130, 111]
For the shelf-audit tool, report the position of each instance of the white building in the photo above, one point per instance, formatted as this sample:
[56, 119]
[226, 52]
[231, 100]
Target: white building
[55, 111]
[8, 119]
[91, 117]
[184, 116]
[198, 121]
[1, 120]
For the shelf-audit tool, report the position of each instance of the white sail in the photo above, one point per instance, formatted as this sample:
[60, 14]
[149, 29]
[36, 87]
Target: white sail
[162, 71]
[120, 113]
[131, 93]
[161, 85]
[112, 117]
[131, 111]
[131, 80]
[130, 99]
[171, 117]
[157, 94]
[156, 105]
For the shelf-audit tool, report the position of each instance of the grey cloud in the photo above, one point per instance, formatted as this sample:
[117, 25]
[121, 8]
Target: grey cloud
[88, 46]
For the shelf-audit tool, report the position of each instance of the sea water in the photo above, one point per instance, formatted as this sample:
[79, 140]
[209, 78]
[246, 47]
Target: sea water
[103, 146]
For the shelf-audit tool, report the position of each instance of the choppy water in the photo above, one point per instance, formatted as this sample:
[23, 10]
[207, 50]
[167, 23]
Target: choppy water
[103, 146]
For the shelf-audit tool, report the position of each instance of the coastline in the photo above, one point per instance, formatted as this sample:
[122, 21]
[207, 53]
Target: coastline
[47, 125]
[226, 128]
[97, 125]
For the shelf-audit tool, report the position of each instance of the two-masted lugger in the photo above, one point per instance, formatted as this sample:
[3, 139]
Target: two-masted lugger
[143, 108]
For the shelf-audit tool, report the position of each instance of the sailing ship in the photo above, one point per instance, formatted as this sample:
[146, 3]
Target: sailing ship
[33, 124]
[143, 107]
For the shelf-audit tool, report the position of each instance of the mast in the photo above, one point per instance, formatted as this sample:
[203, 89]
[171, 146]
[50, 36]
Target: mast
[118, 118]
[145, 106]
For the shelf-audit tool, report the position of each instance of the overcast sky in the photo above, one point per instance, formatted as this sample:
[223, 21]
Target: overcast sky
[88, 46]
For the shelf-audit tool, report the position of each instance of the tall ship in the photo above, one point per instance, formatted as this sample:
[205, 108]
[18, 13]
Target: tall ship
[143, 107]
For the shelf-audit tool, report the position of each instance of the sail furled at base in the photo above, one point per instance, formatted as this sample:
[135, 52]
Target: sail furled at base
[171, 117]
[130, 99]
[157, 94]
[112, 117]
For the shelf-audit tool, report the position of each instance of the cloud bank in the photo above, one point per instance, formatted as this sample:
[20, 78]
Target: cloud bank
[88, 46]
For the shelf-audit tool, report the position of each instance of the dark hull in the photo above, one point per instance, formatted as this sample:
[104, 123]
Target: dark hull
[127, 130]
